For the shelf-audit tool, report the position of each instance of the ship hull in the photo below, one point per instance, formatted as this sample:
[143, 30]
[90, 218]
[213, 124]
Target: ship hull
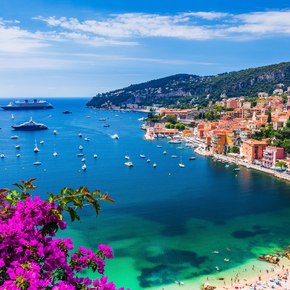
[11, 108]
[29, 128]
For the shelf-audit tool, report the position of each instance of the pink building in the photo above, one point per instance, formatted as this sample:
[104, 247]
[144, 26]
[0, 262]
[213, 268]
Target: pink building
[271, 154]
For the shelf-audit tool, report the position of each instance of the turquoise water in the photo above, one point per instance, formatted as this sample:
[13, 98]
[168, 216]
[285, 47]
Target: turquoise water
[167, 221]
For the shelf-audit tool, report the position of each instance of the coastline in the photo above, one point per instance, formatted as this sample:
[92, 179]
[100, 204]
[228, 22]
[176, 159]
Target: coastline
[203, 152]
[255, 274]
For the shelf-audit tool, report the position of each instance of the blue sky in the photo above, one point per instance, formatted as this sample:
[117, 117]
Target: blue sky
[77, 48]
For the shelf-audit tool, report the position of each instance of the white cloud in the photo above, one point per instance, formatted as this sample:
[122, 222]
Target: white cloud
[263, 23]
[188, 25]
[14, 39]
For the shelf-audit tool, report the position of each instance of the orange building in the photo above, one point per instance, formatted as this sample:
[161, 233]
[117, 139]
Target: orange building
[253, 149]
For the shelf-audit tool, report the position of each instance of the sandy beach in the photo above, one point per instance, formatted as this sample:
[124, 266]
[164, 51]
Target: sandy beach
[255, 275]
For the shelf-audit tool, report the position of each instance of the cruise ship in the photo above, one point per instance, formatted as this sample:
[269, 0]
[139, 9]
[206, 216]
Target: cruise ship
[30, 126]
[26, 105]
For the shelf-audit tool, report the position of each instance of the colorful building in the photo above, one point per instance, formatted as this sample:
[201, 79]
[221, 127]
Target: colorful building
[271, 155]
[253, 149]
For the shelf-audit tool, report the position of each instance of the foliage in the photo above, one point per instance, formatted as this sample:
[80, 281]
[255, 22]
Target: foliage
[269, 118]
[234, 149]
[281, 164]
[178, 126]
[280, 137]
[171, 119]
[153, 117]
[30, 255]
[212, 115]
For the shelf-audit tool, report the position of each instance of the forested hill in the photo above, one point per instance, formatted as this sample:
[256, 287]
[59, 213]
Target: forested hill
[192, 89]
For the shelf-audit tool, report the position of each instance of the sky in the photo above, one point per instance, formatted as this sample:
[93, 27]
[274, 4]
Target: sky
[78, 48]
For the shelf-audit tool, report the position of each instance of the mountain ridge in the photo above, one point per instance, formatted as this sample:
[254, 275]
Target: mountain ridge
[193, 89]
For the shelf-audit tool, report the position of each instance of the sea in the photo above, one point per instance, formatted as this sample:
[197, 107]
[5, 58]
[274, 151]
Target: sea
[167, 223]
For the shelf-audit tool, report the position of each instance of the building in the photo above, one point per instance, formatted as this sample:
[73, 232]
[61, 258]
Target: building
[247, 105]
[253, 149]
[233, 103]
[271, 155]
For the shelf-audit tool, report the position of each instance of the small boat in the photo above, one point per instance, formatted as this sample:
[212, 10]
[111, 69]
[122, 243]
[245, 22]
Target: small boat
[54, 132]
[95, 156]
[159, 146]
[106, 125]
[80, 135]
[84, 167]
[81, 147]
[80, 155]
[87, 139]
[36, 150]
[227, 165]
[180, 147]
[115, 136]
[142, 119]
[12, 116]
[142, 156]
[18, 155]
[102, 119]
[83, 160]
[215, 252]
[67, 112]
[237, 169]
[148, 160]
[17, 146]
[174, 141]
[164, 152]
[2, 156]
[41, 142]
[173, 156]
[54, 153]
[226, 260]
[154, 165]
[181, 165]
[127, 157]
[37, 163]
[191, 158]
[129, 164]
[14, 137]
[217, 268]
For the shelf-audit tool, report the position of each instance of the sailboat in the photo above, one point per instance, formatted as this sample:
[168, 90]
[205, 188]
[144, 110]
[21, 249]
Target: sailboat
[35, 147]
[54, 153]
[95, 156]
[154, 165]
[12, 116]
[81, 147]
[127, 157]
[84, 167]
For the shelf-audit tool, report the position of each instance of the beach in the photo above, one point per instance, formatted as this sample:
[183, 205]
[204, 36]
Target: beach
[255, 274]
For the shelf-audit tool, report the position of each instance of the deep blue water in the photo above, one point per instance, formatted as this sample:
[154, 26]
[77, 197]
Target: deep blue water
[166, 221]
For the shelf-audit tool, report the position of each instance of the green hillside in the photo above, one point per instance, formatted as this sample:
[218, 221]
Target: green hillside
[188, 89]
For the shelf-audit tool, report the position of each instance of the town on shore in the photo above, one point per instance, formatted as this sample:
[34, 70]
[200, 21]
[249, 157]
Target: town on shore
[253, 132]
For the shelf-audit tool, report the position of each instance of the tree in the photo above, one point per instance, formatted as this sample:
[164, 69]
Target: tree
[30, 255]
[171, 119]
[269, 118]
[234, 149]
[281, 164]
